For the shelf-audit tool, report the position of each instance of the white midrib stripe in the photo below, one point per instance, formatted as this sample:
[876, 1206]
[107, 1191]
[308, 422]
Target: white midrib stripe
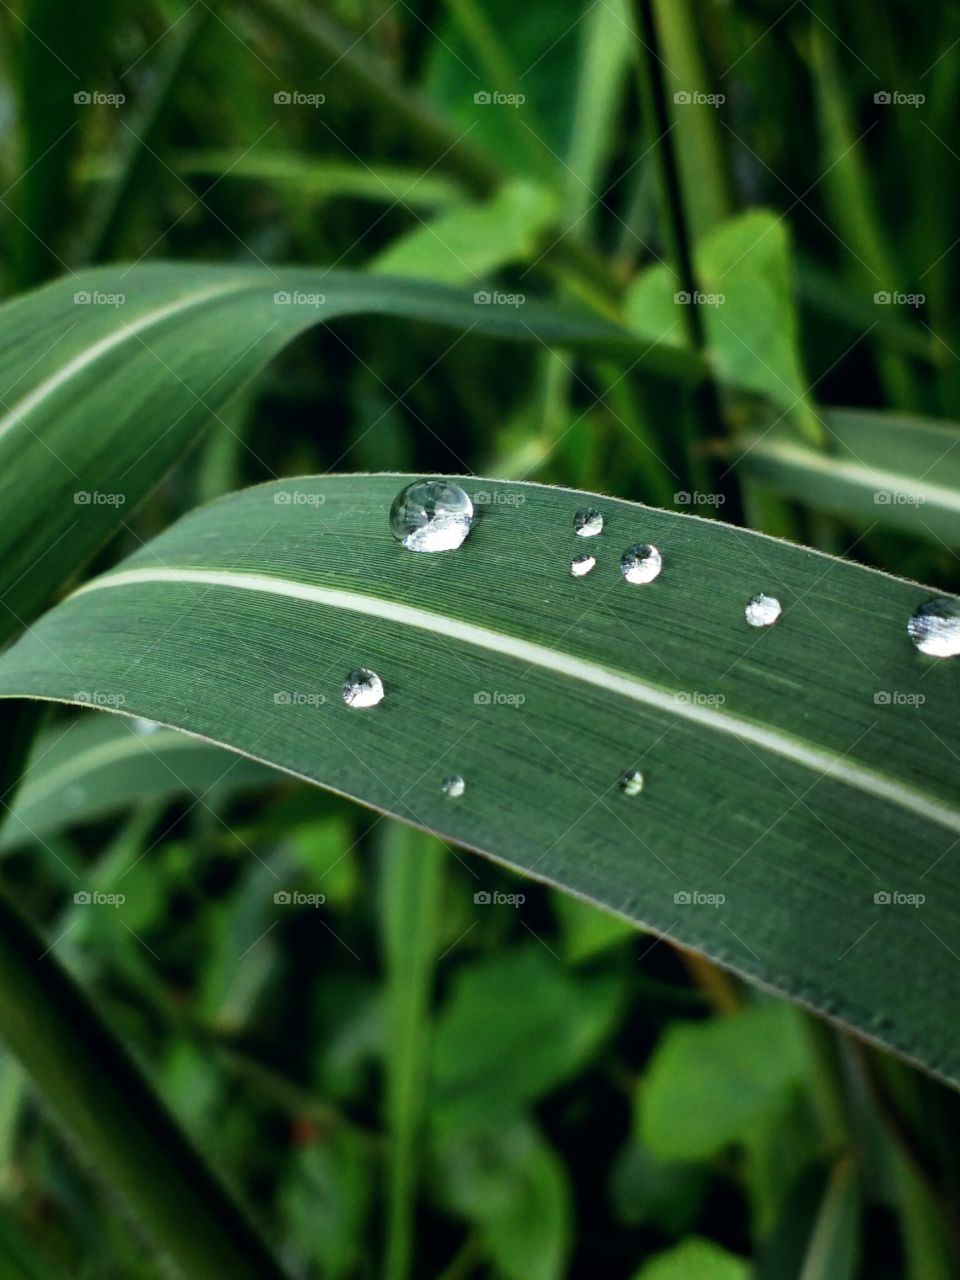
[860, 474]
[43, 390]
[822, 763]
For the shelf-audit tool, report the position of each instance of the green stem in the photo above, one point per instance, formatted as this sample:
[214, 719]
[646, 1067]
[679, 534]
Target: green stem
[676, 230]
[113, 1114]
[411, 886]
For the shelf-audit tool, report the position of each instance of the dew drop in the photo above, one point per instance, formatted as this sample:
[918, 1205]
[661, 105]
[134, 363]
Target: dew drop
[588, 523]
[641, 563]
[582, 565]
[454, 786]
[762, 611]
[362, 688]
[631, 782]
[431, 515]
[935, 627]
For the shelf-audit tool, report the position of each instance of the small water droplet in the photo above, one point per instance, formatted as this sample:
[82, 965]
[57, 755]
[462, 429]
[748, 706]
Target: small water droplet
[454, 786]
[631, 782]
[935, 627]
[362, 688]
[762, 611]
[641, 563]
[431, 515]
[588, 522]
[582, 565]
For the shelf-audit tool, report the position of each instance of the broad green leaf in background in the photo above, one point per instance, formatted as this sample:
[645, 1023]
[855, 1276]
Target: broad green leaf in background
[694, 1260]
[712, 1083]
[325, 1203]
[744, 274]
[878, 468]
[466, 244]
[549, 1024]
[587, 932]
[752, 823]
[95, 766]
[514, 1188]
[108, 376]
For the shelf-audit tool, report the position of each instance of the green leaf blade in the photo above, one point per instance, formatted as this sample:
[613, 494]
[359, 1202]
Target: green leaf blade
[762, 837]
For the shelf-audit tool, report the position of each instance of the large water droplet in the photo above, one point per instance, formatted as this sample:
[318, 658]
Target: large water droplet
[362, 688]
[631, 782]
[641, 563]
[588, 522]
[935, 627]
[431, 515]
[582, 565]
[454, 786]
[762, 611]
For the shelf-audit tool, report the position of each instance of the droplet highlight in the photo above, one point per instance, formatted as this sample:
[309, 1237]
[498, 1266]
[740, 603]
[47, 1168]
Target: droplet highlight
[582, 565]
[762, 610]
[141, 726]
[588, 522]
[431, 515]
[641, 563]
[631, 782]
[453, 786]
[363, 688]
[935, 627]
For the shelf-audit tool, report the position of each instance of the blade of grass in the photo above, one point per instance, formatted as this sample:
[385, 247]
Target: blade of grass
[700, 155]
[112, 1112]
[411, 885]
[117, 198]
